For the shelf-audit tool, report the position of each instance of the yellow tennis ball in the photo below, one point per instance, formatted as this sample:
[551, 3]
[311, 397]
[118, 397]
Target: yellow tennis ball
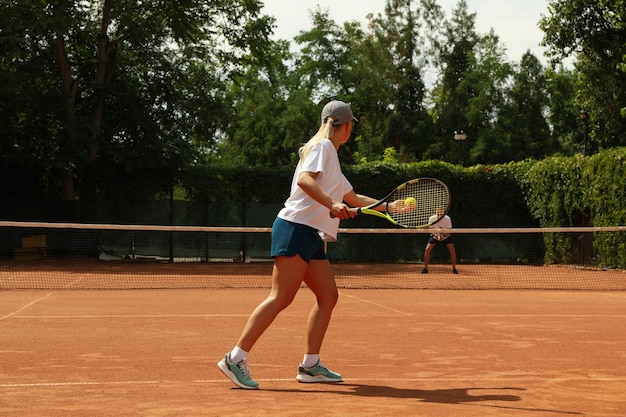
[410, 201]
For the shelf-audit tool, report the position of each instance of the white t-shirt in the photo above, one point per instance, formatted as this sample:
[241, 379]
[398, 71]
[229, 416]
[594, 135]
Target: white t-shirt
[444, 223]
[301, 208]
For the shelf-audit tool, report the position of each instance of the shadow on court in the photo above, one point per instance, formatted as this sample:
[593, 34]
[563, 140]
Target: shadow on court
[451, 396]
[442, 396]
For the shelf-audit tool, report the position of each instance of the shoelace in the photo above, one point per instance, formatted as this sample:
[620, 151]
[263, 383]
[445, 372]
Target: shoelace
[243, 366]
[319, 364]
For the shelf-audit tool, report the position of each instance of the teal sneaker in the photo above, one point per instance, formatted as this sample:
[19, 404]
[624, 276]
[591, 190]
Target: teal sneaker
[238, 373]
[317, 373]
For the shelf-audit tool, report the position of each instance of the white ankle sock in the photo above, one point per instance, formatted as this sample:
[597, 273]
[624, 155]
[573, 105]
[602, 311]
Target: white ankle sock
[238, 354]
[310, 360]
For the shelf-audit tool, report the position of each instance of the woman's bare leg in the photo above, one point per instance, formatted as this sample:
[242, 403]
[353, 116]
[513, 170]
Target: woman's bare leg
[287, 276]
[321, 280]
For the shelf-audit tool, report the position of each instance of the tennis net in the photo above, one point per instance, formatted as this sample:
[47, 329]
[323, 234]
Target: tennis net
[36, 255]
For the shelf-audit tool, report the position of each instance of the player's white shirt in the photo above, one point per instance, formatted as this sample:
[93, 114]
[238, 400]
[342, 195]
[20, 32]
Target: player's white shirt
[444, 223]
[301, 208]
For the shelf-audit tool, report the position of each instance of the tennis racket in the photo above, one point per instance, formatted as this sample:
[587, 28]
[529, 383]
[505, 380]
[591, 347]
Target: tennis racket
[426, 201]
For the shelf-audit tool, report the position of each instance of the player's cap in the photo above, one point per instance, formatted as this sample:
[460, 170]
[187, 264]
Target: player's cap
[340, 111]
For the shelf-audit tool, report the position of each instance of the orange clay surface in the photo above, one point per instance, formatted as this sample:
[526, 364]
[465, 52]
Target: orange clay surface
[436, 353]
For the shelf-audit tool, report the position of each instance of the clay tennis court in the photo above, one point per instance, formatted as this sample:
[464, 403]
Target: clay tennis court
[417, 352]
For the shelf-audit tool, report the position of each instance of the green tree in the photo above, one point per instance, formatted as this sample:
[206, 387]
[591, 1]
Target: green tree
[595, 34]
[489, 77]
[471, 91]
[274, 113]
[403, 32]
[126, 84]
[325, 57]
[522, 119]
[563, 115]
[278, 98]
[451, 94]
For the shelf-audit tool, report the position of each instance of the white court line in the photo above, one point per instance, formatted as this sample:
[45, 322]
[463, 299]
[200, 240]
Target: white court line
[152, 316]
[346, 381]
[451, 379]
[475, 315]
[132, 316]
[532, 315]
[25, 307]
[73, 384]
[376, 304]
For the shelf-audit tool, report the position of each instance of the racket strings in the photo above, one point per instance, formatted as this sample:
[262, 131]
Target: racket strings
[430, 196]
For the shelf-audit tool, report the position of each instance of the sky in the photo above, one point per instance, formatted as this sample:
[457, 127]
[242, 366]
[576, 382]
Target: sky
[514, 21]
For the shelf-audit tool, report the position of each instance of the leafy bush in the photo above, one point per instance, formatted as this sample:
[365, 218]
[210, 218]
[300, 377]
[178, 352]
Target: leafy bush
[580, 191]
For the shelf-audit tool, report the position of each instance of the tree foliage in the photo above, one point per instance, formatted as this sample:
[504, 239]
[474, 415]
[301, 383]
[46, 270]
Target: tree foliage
[595, 34]
[579, 191]
[116, 98]
[120, 84]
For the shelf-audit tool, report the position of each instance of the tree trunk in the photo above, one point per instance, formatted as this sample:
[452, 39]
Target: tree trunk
[69, 90]
[103, 70]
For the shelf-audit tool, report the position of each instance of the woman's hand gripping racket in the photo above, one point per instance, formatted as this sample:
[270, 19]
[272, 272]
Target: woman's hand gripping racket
[413, 204]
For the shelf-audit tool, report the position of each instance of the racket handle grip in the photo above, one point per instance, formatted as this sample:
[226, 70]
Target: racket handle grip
[355, 210]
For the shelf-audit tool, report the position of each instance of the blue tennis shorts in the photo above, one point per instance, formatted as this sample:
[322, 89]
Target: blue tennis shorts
[290, 239]
[446, 241]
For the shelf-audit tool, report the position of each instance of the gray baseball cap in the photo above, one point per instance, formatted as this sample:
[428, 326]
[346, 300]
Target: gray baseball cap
[340, 111]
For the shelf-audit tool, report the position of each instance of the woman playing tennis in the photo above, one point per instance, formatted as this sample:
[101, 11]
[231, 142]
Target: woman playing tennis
[298, 235]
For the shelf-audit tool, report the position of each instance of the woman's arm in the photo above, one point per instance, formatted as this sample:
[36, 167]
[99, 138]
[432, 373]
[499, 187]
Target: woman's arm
[307, 181]
[360, 200]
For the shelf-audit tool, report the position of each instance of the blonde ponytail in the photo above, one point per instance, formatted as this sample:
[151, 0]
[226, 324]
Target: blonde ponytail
[325, 131]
